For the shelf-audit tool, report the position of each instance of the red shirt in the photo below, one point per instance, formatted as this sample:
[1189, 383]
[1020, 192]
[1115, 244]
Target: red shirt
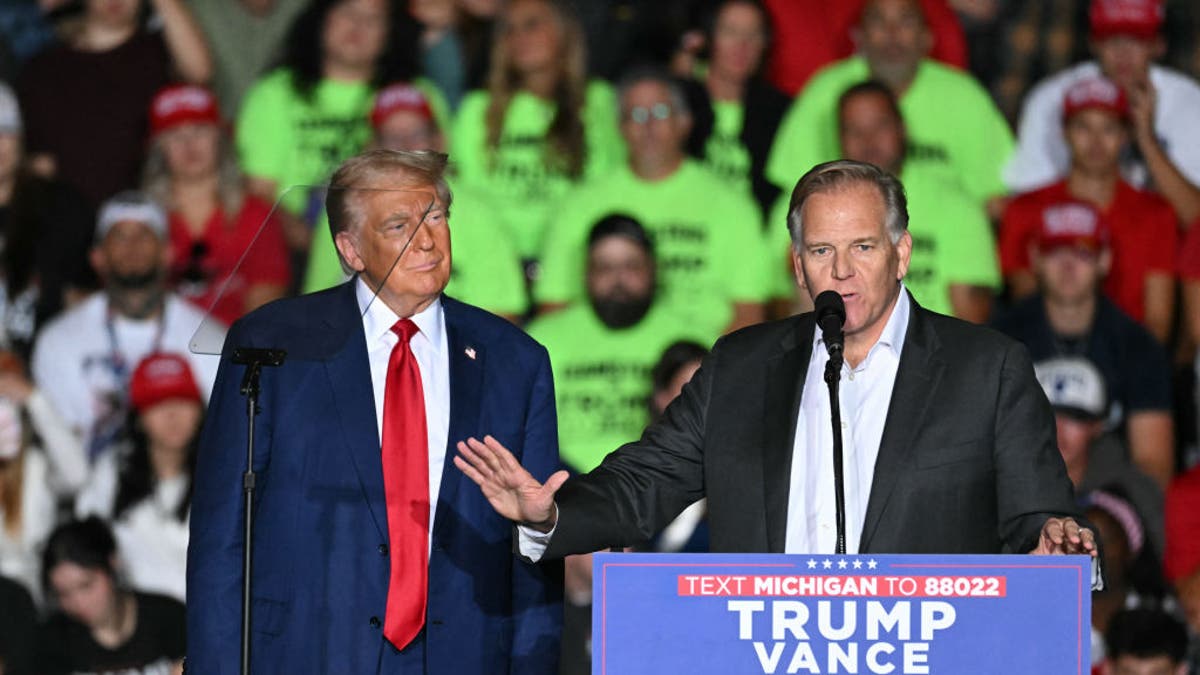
[1189, 256]
[1144, 238]
[201, 265]
[1181, 512]
[809, 34]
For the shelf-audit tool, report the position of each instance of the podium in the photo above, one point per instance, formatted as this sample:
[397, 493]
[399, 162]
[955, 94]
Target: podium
[757, 613]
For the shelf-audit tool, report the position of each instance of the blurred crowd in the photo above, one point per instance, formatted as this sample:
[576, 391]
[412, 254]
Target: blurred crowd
[621, 177]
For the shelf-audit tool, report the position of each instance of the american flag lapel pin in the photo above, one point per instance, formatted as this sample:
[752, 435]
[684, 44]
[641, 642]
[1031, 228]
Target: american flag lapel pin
[470, 351]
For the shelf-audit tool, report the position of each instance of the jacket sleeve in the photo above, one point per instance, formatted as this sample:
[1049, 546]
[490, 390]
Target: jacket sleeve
[537, 588]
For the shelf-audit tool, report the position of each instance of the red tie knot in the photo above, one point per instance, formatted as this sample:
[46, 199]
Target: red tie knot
[405, 328]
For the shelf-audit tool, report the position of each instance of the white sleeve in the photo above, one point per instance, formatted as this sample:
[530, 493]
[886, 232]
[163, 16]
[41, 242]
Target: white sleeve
[1041, 155]
[1177, 125]
[52, 375]
[97, 497]
[63, 447]
[532, 544]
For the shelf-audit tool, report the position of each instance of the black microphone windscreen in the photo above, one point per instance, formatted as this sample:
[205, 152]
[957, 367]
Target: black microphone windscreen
[829, 304]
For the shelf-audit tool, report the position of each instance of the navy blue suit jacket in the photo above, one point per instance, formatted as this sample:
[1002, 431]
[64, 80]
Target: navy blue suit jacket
[320, 561]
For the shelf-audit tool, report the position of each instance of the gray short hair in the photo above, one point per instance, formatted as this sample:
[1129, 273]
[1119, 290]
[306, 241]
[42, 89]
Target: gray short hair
[640, 74]
[839, 175]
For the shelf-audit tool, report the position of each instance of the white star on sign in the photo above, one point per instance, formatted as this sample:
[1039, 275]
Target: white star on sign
[812, 564]
[871, 564]
[841, 564]
[858, 564]
[827, 564]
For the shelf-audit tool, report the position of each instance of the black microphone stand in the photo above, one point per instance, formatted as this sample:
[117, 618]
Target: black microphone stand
[254, 360]
[833, 376]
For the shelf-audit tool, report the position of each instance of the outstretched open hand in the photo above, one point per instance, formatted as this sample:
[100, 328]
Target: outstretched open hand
[508, 487]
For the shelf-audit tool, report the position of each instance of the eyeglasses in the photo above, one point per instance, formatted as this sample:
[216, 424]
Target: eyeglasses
[642, 114]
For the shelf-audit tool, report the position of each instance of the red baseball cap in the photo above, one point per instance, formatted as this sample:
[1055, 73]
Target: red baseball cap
[1072, 224]
[1141, 19]
[159, 377]
[399, 97]
[1095, 92]
[182, 104]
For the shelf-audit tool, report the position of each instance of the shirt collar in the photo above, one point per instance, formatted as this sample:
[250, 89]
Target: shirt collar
[894, 331]
[378, 318]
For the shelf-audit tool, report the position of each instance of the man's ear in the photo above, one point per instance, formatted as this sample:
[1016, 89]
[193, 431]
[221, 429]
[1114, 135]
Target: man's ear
[904, 251]
[347, 246]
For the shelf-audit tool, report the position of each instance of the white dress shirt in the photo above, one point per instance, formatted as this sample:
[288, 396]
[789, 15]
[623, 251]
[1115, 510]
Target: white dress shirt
[433, 360]
[865, 393]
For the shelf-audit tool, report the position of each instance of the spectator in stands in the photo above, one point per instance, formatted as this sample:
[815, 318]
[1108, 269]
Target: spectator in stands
[300, 120]
[45, 232]
[443, 58]
[486, 271]
[99, 625]
[1181, 559]
[1140, 279]
[540, 126]
[736, 112]
[222, 239]
[144, 487]
[85, 101]
[675, 368]
[1095, 456]
[953, 125]
[706, 232]
[953, 268]
[1145, 642]
[18, 624]
[811, 34]
[1024, 41]
[41, 460]
[245, 38]
[602, 349]
[83, 359]
[1069, 317]
[1163, 105]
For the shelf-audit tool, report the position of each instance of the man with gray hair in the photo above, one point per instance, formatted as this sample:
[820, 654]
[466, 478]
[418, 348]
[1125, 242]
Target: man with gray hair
[949, 440]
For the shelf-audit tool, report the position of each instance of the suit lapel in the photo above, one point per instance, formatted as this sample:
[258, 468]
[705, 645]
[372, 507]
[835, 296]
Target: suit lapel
[917, 378]
[349, 375]
[786, 372]
[467, 357]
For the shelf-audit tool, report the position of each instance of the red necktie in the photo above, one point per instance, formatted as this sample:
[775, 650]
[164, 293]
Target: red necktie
[405, 451]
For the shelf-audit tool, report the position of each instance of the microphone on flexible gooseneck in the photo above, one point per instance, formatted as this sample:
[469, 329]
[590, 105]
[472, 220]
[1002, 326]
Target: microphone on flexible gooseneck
[830, 312]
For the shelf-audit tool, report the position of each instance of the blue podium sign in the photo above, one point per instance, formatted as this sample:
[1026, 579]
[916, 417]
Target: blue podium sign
[733, 613]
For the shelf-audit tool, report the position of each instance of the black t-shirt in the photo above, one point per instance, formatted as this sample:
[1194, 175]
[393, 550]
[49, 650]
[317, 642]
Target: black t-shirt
[66, 646]
[1134, 365]
[17, 622]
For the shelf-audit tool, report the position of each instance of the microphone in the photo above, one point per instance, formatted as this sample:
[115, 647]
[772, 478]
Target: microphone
[830, 311]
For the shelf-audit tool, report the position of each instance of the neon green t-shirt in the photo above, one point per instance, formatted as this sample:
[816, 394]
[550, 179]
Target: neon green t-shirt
[298, 142]
[724, 153]
[952, 241]
[707, 236]
[515, 178]
[953, 127]
[484, 269]
[602, 376]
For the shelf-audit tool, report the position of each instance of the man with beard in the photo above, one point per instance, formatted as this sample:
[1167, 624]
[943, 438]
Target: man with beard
[602, 350]
[83, 359]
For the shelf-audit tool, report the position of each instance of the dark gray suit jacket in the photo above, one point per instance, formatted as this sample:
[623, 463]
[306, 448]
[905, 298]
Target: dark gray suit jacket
[968, 461]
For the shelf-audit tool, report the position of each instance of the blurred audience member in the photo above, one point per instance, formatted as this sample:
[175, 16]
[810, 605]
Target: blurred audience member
[706, 233]
[26, 28]
[1069, 317]
[1189, 274]
[1145, 642]
[953, 269]
[442, 54]
[299, 121]
[953, 126]
[626, 34]
[1096, 457]
[485, 269]
[85, 101]
[1163, 103]
[675, 368]
[222, 240]
[144, 488]
[100, 626]
[83, 359]
[814, 33]
[40, 460]
[245, 38]
[1140, 278]
[1027, 40]
[1181, 559]
[477, 30]
[736, 112]
[18, 624]
[540, 127]
[45, 232]
[603, 348]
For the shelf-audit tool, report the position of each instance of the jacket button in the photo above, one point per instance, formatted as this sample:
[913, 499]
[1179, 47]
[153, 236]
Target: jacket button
[374, 622]
[383, 549]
